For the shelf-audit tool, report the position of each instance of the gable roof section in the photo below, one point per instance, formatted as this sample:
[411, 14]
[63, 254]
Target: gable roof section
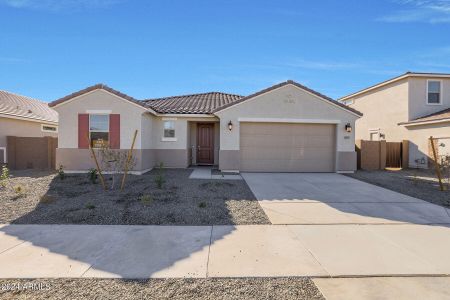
[403, 76]
[22, 107]
[99, 86]
[437, 117]
[204, 103]
[274, 87]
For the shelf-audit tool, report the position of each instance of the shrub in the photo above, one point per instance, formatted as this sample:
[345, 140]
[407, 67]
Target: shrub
[61, 173]
[4, 176]
[160, 179]
[146, 199]
[90, 206]
[202, 205]
[19, 190]
[114, 162]
[93, 175]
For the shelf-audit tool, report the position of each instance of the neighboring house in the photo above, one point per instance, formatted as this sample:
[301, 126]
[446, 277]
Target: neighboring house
[285, 128]
[413, 107]
[24, 117]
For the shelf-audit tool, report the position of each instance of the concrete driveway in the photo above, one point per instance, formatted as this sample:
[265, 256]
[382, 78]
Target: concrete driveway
[325, 198]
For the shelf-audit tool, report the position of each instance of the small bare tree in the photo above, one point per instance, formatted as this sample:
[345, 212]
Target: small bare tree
[113, 161]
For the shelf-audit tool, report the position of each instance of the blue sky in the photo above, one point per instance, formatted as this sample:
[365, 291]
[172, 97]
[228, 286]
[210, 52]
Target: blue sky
[50, 48]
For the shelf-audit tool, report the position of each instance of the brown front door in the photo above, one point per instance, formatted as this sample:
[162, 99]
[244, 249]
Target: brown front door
[205, 143]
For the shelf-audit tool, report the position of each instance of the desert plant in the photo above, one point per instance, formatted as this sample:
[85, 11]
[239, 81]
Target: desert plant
[90, 206]
[160, 178]
[19, 190]
[146, 199]
[114, 161]
[93, 175]
[4, 176]
[202, 205]
[61, 173]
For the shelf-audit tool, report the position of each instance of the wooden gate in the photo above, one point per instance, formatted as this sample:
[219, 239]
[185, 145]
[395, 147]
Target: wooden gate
[393, 155]
[31, 152]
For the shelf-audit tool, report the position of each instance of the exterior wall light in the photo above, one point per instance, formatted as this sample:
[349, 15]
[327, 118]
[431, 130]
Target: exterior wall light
[348, 127]
[230, 126]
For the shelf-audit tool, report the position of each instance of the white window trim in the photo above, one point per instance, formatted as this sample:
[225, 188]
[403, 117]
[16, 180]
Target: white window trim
[89, 126]
[441, 94]
[47, 125]
[4, 154]
[167, 139]
[377, 131]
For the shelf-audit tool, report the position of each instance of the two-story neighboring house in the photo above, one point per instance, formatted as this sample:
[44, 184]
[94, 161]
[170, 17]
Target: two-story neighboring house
[413, 107]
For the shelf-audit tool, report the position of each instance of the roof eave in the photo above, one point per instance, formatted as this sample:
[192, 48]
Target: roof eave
[389, 81]
[417, 123]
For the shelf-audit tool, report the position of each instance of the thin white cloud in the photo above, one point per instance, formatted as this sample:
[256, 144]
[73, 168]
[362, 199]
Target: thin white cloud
[322, 65]
[58, 5]
[427, 11]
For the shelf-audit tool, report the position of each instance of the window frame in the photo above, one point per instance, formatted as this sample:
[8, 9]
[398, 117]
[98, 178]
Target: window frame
[169, 139]
[441, 94]
[46, 125]
[103, 131]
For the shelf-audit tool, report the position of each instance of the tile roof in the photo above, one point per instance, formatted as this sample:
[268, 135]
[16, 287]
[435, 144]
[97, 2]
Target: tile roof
[297, 85]
[25, 107]
[442, 115]
[204, 103]
[93, 88]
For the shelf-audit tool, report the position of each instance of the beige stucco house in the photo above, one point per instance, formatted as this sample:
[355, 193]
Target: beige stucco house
[24, 117]
[284, 128]
[413, 107]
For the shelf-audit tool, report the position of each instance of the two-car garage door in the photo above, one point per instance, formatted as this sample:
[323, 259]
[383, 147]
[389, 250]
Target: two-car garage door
[287, 147]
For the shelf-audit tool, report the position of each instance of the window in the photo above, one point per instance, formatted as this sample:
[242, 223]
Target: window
[99, 130]
[48, 128]
[169, 129]
[434, 94]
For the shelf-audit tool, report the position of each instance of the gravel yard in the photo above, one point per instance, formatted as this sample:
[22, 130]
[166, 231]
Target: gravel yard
[419, 183]
[249, 288]
[42, 198]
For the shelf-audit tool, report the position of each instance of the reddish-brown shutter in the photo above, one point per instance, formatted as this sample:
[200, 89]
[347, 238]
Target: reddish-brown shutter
[83, 131]
[114, 131]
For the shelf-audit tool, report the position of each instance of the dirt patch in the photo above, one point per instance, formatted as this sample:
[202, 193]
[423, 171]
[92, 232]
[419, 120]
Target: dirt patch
[417, 183]
[210, 288]
[45, 199]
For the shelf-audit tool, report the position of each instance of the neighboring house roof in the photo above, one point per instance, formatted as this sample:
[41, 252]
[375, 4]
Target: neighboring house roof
[403, 76]
[297, 85]
[204, 103]
[437, 117]
[99, 86]
[22, 107]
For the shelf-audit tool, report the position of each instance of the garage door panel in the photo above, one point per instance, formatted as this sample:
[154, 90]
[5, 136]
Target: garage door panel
[287, 147]
[277, 141]
[285, 154]
[287, 129]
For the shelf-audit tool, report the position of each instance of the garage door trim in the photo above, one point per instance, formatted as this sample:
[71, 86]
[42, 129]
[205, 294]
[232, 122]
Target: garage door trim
[283, 120]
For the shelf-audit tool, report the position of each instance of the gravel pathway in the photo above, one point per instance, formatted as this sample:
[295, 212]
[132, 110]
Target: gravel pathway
[45, 199]
[421, 184]
[248, 288]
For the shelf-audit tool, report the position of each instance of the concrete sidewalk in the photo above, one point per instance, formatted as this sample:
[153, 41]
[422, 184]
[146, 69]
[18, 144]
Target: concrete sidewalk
[40, 251]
